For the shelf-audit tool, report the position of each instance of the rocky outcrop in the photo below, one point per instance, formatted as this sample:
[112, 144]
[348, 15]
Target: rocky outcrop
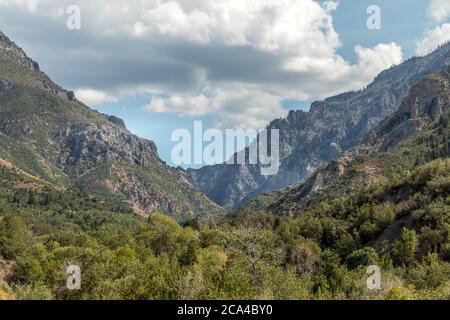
[117, 121]
[84, 146]
[310, 139]
[5, 86]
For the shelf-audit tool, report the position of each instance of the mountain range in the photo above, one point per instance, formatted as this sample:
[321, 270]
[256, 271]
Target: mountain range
[396, 143]
[47, 133]
[396, 177]
[310, 139]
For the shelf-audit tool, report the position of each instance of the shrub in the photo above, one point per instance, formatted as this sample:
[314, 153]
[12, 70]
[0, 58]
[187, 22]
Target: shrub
[362, 257]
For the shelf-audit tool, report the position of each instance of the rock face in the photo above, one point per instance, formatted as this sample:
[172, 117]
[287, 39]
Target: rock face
[426, 102]
[85, 146]
[47, 132]
[310, 139]
[5, 86]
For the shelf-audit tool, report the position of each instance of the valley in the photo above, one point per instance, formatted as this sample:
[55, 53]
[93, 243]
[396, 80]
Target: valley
[364, 180]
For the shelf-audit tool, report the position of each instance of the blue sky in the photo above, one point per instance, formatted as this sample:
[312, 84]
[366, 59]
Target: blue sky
[160, 65]
[403, 21]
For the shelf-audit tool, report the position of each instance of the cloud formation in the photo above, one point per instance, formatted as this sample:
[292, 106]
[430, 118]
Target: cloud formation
[233, 60]
[433, 38]
[94, 97]
[439, 10]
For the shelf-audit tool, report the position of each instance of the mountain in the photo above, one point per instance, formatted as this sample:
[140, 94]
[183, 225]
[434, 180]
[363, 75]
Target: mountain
[46, 132]
[393, 183]
[419, 132]
[310, 139]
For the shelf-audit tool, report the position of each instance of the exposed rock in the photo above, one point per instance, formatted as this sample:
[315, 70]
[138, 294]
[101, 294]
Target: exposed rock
[117, 121]
[5, 86]
[85, 146]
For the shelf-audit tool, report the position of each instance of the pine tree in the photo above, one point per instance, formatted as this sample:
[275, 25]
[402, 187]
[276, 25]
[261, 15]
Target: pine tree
[446, 146]
[434, 154]
[31, 197]
[405, 248]
[432, 143]
[443, 122]
[419, 160]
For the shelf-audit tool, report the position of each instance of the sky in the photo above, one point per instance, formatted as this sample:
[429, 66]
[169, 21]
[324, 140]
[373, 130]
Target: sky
[162, 64]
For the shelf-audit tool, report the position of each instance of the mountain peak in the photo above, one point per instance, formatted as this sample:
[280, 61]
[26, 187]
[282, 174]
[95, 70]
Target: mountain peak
[16, 53]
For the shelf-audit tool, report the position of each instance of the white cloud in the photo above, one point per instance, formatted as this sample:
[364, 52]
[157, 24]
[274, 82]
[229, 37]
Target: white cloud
[195, 105]
[231, 107]
[382, 56]
[433, 38]
[170, 19]
[245, 107]
[93, 97]
[251, 54]
[439, 10]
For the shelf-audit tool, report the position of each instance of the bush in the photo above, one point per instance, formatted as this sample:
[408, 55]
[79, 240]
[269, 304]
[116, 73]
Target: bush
[430, 274]
[362, 257]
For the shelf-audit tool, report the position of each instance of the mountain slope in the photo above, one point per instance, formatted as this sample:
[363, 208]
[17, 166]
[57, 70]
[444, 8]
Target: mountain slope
[417, 133]
[390, 188]
[47, 132]
[310, 139]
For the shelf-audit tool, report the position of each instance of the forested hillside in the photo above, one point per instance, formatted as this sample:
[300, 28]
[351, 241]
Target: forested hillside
[321, 254]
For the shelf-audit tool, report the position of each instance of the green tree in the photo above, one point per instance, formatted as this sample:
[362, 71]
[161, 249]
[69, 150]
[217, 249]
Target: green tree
[446, 146]
[405, 248]
[164, 234]
[14, 238]
[331, 276]
[28, 271]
